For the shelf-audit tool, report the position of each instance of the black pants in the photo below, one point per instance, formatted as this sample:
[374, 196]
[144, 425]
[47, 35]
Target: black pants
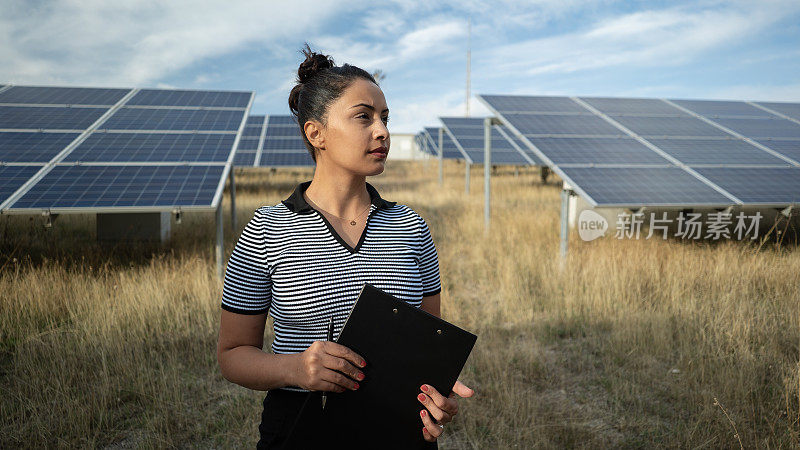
[281, 408]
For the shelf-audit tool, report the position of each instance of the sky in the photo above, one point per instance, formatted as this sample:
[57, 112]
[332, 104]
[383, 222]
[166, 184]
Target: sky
[740, 50]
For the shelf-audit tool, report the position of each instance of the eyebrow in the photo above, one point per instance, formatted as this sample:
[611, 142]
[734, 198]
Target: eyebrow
[372, 108]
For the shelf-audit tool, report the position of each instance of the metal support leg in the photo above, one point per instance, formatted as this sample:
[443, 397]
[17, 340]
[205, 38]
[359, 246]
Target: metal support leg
[564, 225]
[487, 170]
[441, 157]
[233, 201]
[219, 241]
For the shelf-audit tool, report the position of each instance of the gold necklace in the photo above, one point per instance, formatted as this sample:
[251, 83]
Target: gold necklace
[352, 221]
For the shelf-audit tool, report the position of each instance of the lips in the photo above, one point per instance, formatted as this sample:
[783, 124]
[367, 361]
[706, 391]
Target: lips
[380, 151]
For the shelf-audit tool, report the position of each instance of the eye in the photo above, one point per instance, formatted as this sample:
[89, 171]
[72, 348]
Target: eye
[386, 119]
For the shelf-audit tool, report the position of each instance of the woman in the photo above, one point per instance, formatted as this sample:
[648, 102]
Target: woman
[305, 259]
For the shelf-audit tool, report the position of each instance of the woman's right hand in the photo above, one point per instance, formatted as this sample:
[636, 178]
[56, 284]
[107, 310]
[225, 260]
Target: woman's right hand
[328, 366]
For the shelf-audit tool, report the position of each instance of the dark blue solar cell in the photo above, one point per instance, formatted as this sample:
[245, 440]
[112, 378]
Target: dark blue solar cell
[244, 158]
[597, 151]
[121, 186]
[523, 146]
[758, 186]
[787, 109]
[282, 130]
[790, 148]
[174, 119]
[762, 128]
[282, 143]
[633, 106]
[252, 131]
[462, 121]
[248, 144]
[715, 151]
[633, 187]
[159, 97]
[48, 117]
[13, 177]
[153, 147]
[555, 124]
[712, 109]
[282, 120]
[255, 121]
[669, 126]
[62, 95]
[278, 158]
[520, 103]
[32, 146]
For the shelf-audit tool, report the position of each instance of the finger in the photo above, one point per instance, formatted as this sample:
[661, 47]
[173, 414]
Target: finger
[434, 430]
[462, 390]
[427, 436]
[328, 386]
[341, 351]
[342, 365]
[450, 406]
[435, 411]
[338, 379]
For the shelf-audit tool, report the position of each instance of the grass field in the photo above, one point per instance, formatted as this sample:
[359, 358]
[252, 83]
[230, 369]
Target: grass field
[633, 344]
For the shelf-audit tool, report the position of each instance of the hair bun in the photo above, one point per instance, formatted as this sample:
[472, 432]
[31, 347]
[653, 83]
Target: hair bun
[313, 64]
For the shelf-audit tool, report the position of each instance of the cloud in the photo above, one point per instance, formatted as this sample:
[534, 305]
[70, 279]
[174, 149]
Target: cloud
[136, 43]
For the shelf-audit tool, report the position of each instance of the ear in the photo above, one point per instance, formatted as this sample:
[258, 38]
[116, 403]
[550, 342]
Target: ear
[315, 133]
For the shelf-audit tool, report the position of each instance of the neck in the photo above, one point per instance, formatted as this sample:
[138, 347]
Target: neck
[340, 193]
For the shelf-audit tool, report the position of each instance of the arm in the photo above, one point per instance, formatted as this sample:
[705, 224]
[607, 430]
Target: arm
[432, 304]
[242, 361]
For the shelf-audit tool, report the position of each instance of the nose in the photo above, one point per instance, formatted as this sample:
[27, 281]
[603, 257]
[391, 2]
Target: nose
[381, 132]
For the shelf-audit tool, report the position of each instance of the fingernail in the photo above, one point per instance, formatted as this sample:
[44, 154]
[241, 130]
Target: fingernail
[356, 385]
[360, 376]
[424, 388]
[363, 363]
[422, 413]
[421, 397]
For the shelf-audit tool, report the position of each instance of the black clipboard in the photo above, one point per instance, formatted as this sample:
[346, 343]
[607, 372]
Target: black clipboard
[404, 347]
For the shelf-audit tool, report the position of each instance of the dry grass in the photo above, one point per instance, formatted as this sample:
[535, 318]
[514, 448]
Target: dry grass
[627, 347]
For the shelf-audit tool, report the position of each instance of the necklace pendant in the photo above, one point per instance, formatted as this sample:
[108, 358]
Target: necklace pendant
[353, 222]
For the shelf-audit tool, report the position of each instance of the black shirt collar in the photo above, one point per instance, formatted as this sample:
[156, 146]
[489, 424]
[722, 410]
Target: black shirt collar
[298, 204]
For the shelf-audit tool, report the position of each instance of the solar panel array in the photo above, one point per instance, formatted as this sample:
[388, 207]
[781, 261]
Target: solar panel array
[65, 149]
[625, 152]
[467, 133]
[272, 141]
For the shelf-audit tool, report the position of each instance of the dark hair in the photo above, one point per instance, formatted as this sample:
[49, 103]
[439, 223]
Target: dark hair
[319, 83]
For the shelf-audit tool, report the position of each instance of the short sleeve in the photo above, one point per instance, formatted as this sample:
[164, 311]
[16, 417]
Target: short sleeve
[428, 261]
[247, 287]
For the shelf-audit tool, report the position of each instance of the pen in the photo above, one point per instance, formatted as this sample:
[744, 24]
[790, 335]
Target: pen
[330, 338]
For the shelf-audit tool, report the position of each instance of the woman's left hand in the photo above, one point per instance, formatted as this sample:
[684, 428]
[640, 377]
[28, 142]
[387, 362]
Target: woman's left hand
[440, 409]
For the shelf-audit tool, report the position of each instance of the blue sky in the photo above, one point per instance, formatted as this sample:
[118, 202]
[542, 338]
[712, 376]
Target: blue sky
[703, 49]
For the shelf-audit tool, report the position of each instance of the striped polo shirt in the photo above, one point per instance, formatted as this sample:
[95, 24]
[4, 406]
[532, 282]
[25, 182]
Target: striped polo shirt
[289, 262]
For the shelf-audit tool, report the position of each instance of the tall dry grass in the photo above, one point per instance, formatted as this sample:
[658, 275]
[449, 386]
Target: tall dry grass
[627, 346]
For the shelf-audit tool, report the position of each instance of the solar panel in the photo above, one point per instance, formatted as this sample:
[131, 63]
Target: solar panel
[160, 97]
[48, 117]
[283, 144]
[790, 148]
[758, 186]
[248, 143]
[554, 124]
[153, 147]
[469, 134]
[511, 103]
[123, 186]
[244, 158]
[788, 109]
[715, 151]
[722, 108]
[626, 186]
[13, 177]
[254, 121]
[670, 126]
[762, 128]
[174, 119]
[62, 95]
[16, 146]
[614, 150]
[633, 106]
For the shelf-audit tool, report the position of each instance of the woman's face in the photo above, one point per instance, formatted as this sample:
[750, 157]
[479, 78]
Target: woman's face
[356, 137]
